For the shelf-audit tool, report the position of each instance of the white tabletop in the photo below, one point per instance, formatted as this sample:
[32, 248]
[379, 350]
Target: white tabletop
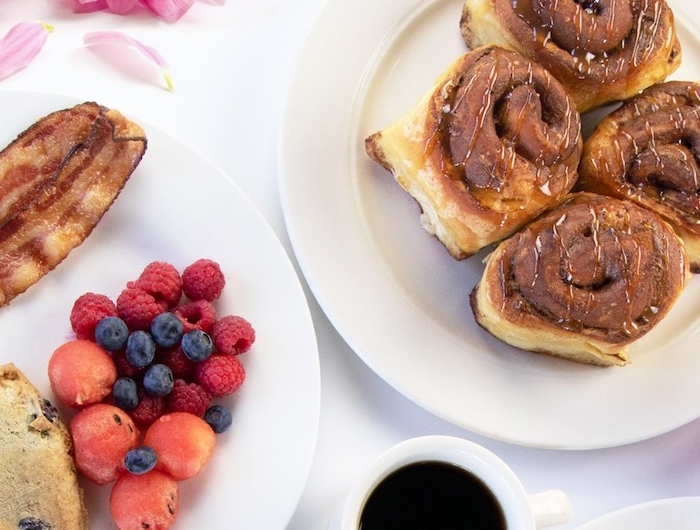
[231, 67]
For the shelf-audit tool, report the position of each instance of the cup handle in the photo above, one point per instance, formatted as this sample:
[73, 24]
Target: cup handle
[550, 508]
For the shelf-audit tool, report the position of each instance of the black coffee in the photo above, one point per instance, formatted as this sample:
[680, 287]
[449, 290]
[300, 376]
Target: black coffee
[432, 496]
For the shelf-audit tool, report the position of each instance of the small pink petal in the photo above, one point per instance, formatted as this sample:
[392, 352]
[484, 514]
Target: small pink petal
[89, 6]
[122, 39]
[21, 45]
[121, 6]
[169, 10]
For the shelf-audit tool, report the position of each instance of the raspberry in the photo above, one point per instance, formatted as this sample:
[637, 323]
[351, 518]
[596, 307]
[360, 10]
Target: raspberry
[233, 334]
[138, 308]
[203, 280]
[149, 409]
[175, 359]
[150, 501]
[188, 397]
[161, 280]
[199, 314]
[87, 311]
[220, 374]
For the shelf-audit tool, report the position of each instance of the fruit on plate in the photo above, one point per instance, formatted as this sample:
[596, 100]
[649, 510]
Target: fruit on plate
[169, 360]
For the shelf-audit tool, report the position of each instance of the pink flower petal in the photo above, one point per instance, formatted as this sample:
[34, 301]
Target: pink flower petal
[121, 6]
[122, 39]
[88, 6]
[169, 10]
[21, 45]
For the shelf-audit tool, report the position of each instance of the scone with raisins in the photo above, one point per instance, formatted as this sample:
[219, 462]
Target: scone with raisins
[39, 487]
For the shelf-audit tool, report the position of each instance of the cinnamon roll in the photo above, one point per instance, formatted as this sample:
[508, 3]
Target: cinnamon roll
[583, 281]
[492, 144]
[600, 50]
[648, 151]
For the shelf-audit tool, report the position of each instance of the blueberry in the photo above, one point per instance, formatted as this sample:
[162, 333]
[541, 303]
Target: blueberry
[140, 460]
[111, 333]
[125, 393]
[140, 349]
[33, 523]
[218, 418]
[166, 329]
[197, 345]
[158, 380]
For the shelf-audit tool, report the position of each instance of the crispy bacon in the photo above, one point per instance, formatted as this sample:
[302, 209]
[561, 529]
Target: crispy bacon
[57, 180]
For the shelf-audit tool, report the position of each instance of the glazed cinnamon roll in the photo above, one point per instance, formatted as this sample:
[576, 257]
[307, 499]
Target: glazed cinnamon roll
[492, 144]
[648, 151]
[600, 50]
[583, 281]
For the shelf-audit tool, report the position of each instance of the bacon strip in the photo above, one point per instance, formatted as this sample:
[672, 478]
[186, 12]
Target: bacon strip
[62, 190]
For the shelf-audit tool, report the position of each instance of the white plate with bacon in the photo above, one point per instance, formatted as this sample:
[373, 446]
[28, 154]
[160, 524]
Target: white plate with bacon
[178, 207]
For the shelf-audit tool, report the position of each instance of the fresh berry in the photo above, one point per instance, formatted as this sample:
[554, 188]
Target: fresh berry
[197, 345]
[203, 280]
[87, 311]
[219, 418]
[140, 460]
[220, 374]
[194, 446]
[167, 329]
[233, 334]
[125, 393]
[125, 368]
[161, 280]
[149, 501]
[200, 314]
[187, 397]
[175, 359]
[111, 333]
[138, 308]
[81, 373]
[140, 348]
[158, 380]
[149, 409]
[102, 434]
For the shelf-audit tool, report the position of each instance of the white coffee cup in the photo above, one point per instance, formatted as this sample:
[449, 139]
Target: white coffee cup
[520, 510]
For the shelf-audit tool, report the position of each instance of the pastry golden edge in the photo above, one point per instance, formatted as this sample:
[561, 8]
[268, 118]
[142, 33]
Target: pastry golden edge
[447, 211]
[480, 26]
[400, 148]
[532, 334]
[38, 476]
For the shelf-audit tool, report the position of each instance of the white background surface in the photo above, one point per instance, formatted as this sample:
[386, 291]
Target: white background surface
[230, 66]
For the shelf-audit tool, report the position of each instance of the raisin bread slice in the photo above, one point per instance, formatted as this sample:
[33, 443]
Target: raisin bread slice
[39, 488]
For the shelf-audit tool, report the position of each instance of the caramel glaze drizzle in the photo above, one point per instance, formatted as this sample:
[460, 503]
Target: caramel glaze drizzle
[658, 142]
[594, 265]
[507, 131]
[595, 38]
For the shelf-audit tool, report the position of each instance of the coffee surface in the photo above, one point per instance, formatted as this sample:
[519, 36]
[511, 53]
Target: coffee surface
[432, 495]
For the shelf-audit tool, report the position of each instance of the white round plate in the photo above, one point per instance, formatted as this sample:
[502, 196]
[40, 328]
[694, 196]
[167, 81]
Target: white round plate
[393, 292]
[178, 207]
[679, 513]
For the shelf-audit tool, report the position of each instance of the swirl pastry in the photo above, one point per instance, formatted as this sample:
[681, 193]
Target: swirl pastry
[600, 50]
[648, 151]
[582, 281]
[492, 144]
